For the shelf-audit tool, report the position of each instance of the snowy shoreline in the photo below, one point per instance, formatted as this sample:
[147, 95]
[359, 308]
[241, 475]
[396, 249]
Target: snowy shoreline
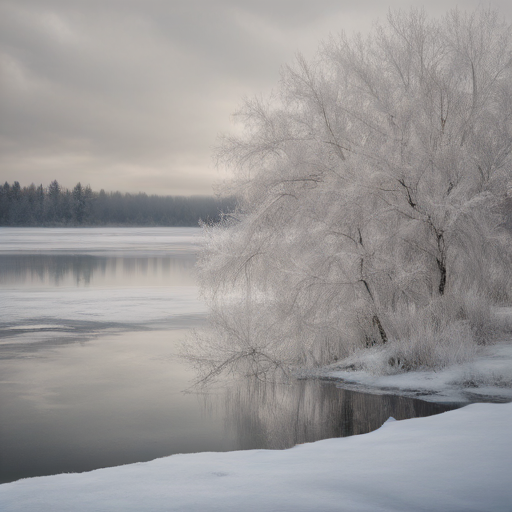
[487, 378]
[459, 460]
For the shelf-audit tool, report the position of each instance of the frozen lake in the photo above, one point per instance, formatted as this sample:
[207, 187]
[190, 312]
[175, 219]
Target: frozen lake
[91, 322]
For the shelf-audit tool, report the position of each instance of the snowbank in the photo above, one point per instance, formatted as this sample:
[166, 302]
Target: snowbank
[488, 377]
[456, 461]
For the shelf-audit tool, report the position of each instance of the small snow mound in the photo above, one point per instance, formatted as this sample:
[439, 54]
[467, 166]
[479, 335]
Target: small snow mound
[388, 421]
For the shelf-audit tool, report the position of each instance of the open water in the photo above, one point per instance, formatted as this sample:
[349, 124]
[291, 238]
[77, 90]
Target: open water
[91, 321]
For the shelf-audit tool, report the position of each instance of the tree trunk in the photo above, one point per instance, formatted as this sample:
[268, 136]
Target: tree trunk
[442, 270]
[382, 332]
[376, 320]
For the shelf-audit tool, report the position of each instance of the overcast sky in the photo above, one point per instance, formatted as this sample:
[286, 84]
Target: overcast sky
[130, 95]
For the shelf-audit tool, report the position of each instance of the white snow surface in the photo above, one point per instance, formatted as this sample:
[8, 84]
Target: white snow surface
[456, 461]
[488, 377]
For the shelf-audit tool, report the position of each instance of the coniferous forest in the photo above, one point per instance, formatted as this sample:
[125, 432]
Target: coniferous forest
[55, 205]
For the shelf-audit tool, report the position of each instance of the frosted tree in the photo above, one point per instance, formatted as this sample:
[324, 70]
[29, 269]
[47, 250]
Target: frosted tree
[369, 188]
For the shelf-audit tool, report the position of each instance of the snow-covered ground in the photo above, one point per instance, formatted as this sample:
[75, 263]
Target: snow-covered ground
[456, 461]
[488, 377]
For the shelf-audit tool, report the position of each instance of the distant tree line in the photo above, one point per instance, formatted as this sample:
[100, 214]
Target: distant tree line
[57, 206]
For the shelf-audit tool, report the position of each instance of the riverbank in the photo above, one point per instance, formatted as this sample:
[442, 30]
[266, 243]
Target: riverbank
[459, 460]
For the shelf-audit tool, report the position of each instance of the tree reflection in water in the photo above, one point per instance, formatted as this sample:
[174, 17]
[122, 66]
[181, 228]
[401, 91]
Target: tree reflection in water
[277, 415]
[77, 270]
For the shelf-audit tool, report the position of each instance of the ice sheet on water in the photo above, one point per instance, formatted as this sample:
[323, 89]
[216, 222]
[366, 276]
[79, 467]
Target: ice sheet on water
[44, 302]
[33, 316]
[95, 240]
[36, 327]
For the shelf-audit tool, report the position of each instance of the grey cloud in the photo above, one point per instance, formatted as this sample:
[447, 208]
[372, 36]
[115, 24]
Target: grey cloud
[126, 91]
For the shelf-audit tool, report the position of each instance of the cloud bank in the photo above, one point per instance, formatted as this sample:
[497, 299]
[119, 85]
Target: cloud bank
[130, 95]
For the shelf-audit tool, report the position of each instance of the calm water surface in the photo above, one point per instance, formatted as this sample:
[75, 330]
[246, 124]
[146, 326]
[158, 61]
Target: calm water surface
[91, 321]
